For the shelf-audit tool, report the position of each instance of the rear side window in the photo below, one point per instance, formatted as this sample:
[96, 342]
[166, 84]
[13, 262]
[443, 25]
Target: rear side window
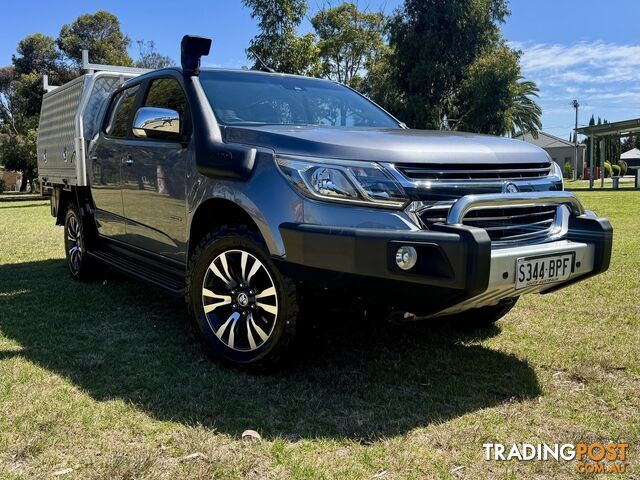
[120, 112]
[167, 93]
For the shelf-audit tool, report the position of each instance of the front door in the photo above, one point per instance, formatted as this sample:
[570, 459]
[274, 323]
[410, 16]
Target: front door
[107, 155]
[154, 180]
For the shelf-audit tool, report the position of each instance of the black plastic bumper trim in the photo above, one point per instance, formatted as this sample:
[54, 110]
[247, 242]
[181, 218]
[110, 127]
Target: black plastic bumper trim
[453, 257]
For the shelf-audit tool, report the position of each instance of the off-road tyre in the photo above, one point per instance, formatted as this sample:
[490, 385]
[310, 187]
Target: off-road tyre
[77, 240]
[219, 257]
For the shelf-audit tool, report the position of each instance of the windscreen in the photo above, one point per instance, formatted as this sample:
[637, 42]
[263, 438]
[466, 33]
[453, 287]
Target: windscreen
[251, 98]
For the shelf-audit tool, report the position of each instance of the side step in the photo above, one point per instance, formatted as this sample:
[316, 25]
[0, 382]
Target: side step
[163, 274]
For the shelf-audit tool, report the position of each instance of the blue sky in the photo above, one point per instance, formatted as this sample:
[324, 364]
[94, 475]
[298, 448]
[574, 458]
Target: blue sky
[584, 49]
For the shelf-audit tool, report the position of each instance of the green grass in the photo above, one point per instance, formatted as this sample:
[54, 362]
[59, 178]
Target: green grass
[625, 183]
[106, 379]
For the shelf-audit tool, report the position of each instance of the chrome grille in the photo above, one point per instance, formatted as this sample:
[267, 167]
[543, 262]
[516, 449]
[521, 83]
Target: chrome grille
[503, 224]
[513, 223]
[468, 171]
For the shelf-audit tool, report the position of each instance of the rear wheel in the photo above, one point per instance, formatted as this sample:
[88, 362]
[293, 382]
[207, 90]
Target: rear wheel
[244, 308]
[75, 243]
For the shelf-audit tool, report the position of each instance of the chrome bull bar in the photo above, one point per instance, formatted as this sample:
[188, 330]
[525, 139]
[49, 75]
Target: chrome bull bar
[527, 199]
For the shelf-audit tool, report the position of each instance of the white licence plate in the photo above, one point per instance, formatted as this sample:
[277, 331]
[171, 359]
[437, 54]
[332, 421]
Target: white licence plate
[541, 270]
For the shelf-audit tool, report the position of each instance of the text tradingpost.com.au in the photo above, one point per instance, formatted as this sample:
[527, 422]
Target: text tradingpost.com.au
[589, 457]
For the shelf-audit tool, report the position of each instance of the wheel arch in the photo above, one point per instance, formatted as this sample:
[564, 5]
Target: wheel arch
[62, 197]
[217, 212]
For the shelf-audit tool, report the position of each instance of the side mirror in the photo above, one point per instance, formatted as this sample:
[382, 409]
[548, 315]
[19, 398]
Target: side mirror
[158, 123]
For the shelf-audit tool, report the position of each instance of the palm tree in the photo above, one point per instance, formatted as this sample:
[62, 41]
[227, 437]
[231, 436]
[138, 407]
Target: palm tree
[523, 116]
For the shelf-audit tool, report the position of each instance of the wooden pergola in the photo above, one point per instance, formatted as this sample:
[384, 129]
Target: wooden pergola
[615, 130]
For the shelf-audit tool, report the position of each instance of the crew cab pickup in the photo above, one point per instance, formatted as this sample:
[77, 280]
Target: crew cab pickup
[238, 188]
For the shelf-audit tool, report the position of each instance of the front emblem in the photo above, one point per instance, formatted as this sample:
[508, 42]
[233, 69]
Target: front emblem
[509, 187]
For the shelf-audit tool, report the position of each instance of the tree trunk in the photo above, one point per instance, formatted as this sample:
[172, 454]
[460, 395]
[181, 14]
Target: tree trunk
[23, 183]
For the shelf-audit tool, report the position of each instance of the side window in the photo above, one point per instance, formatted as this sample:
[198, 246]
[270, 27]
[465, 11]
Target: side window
[120, 112]
[167, 93]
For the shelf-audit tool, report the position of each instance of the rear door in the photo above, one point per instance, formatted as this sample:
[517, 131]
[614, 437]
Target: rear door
[107, 157]
[154, 178]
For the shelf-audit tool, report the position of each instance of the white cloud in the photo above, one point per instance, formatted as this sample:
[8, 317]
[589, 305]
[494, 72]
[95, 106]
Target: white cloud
[596, 62]
[603, 76]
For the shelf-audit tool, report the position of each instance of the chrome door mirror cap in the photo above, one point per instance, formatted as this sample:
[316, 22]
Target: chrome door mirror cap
[158, 123]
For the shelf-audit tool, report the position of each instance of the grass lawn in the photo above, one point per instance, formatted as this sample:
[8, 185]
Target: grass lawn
[105, 379]
[627, 182]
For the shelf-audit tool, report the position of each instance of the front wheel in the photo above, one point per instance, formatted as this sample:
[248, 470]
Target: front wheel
[244, 308]
[75, 244]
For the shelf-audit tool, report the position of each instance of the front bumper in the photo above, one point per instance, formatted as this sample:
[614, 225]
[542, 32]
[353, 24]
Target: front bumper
[458, 267]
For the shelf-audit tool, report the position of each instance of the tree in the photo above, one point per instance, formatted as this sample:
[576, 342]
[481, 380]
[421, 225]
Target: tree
[524, 113]
[36, 53]
[485, 96]
[435, 42]
[20, 97]
[588, 143]
[349, 42]
[21, 83]
[18, 152]
[100, 34]
[277, 44]
[629, 143]
[9, 100]
[610, 147]
[148, 56]
[380, 85]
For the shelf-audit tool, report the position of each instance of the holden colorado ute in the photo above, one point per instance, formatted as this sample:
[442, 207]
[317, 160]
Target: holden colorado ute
[238, 188]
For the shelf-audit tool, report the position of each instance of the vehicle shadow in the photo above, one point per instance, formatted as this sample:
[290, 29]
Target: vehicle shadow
[118, 338]
[12, 206]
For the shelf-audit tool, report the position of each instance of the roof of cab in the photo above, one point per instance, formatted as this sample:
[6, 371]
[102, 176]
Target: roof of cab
[233, 70]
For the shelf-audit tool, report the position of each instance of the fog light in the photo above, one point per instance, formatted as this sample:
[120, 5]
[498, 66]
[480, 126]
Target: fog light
[406, 257]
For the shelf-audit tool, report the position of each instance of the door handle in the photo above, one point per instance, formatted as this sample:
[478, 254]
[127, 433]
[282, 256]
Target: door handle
[128, 160]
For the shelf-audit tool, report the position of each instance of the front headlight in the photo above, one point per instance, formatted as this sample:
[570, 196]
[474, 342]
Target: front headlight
[557, 171]
[365, 183]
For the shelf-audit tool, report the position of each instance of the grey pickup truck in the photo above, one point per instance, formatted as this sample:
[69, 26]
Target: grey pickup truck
[237, 189]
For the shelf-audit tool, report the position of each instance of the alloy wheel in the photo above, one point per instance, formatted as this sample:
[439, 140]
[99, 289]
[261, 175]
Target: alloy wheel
[239, 300]
[74, 243]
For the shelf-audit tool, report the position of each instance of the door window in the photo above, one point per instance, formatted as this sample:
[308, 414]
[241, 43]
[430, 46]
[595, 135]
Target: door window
[120, 113]
[167, 93]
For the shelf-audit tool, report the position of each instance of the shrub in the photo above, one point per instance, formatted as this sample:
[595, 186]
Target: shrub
[568, 170]
[624, 166]
[607, 170]
[3, 185]
[616, 170]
